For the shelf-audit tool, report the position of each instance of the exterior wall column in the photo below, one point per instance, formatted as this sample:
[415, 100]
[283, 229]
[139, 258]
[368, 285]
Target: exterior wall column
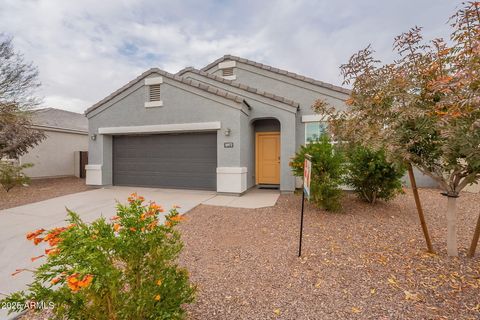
[99, 169]
[287, 141]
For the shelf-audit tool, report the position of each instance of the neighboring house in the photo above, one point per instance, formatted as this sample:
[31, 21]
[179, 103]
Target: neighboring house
[57, 155]
[230, 126]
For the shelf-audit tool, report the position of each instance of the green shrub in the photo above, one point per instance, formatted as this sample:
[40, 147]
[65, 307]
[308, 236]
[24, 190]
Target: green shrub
[372, 176]
[11, 174]
[327, 171]
[123, 269]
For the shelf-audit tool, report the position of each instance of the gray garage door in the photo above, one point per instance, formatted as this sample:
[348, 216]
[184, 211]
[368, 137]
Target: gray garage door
[166, 160]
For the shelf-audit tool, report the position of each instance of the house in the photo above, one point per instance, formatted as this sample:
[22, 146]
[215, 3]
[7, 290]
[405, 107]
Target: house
[230, 126]
[58, 154]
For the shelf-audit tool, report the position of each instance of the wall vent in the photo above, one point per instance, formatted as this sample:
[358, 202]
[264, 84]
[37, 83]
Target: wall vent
[154, 92]
[227, 72]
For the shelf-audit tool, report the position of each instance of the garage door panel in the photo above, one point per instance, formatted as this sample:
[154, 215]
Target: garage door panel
[170, 161]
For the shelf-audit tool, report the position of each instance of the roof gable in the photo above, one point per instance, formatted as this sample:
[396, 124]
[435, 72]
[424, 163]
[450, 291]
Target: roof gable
[278, 71]
[195, 84]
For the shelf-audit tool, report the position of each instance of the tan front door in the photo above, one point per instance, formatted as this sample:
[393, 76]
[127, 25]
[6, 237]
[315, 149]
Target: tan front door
[268, 157]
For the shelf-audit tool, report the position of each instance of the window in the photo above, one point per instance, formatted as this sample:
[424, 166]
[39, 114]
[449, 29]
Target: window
[313, 130]
[154, 92]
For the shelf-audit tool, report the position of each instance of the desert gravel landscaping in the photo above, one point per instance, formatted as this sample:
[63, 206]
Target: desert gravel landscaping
[365, 263]
[41, 189]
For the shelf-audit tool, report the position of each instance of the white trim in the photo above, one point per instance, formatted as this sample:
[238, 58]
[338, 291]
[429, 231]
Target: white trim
[153, 104]
[94, 174]
[163, 128]
[314, 118]
[234, 77]
[93, 166]
[231, 179]
[153, 80]
[232, 170]
[227, 64]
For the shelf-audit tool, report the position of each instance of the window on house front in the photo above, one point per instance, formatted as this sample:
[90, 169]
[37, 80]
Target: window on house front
[313, 130]
[154, 92]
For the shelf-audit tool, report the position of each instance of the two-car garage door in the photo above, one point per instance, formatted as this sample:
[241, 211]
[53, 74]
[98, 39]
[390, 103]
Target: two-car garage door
[186, 160]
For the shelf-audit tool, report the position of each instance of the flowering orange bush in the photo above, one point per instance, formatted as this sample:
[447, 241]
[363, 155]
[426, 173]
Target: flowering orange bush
[119, 269]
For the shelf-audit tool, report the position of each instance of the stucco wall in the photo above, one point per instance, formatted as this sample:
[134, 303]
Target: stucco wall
[181, 104]
[54, 156]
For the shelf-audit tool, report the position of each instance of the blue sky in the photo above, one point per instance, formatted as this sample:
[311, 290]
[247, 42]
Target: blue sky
[86, 49]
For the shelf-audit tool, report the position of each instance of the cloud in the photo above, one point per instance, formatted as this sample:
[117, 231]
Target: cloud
[87, 49]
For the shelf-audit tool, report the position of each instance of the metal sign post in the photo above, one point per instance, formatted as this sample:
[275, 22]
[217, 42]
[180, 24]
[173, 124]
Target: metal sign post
[307, 172]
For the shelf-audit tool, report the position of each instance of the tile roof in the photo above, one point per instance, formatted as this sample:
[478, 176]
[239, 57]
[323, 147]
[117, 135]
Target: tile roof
[59, 119]
[240, 86]
[279, 71]
[192, 83]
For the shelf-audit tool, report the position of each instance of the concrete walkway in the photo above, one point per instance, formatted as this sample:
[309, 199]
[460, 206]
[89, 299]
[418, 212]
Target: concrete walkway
[16, 251]
[254, 198]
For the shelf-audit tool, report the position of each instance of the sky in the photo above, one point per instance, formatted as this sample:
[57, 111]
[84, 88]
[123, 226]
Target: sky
[87, 49]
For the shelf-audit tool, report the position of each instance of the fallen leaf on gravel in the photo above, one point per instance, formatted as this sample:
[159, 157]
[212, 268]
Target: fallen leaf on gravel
[393, 281]
[411, 296]
[356, 310]
[277, 312]
[429, 255]
[318, 284]
[372, 290]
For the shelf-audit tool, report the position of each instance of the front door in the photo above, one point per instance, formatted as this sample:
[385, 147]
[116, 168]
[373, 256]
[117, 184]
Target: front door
[268, 157]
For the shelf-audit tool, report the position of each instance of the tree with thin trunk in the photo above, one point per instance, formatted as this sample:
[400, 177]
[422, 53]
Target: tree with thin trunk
[18, 82]
[423, 108]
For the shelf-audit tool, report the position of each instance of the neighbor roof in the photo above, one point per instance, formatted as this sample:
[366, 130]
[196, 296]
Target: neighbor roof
[240, 86]
[192, 83]
[277, 70]
[59, 119]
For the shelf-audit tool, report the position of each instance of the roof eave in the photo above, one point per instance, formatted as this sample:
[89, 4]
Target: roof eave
[278, 71]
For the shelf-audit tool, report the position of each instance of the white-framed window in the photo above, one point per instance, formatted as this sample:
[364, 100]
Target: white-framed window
[313, 130]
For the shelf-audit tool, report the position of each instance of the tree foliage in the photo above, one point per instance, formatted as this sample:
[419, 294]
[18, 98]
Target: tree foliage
[424, 107]
[18, 82]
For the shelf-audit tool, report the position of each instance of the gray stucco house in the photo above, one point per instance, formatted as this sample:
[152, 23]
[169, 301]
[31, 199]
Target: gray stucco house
[230, 126]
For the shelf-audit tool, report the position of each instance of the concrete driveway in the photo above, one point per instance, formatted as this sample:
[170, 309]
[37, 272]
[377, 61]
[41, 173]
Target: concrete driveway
[16, 251]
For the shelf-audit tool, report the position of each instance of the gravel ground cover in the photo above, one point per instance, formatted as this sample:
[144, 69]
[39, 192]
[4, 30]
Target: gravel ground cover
[367, 262]
[41, 189]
